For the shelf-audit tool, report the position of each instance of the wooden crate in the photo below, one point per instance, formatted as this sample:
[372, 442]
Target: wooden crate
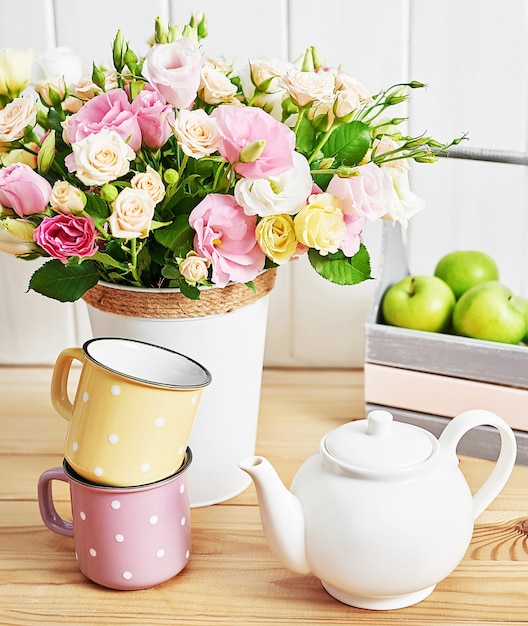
[427, 378]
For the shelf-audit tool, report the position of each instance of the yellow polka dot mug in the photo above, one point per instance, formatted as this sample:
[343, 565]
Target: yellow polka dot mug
[133, 411]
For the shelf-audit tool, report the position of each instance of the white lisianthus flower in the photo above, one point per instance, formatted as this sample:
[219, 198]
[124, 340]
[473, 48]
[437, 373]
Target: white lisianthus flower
[60, 61]
[286, 193]
[100, 158]
[151, 182]
[307, 87]
[197, 133]
[15, 71]
[15, 116]
[132, 213]
[404, 203]
[66, 198]
[16, 237]
[194, 268]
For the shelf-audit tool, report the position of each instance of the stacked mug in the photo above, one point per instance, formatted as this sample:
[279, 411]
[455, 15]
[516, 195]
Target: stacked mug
[126, 459]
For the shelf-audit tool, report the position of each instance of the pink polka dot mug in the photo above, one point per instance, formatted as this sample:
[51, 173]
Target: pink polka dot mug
[133, 411]
[125, 537]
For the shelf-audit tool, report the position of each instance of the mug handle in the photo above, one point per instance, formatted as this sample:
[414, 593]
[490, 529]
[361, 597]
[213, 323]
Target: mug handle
[458, 427]
[59, 380]
[48, 512]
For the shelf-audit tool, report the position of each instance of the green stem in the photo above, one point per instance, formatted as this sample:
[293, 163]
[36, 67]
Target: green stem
[321, 143]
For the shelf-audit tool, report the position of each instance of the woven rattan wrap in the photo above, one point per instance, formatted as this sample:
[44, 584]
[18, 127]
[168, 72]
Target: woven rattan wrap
[154, 304]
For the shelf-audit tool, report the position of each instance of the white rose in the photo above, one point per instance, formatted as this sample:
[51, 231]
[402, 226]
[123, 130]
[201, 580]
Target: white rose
[404, 203]
[307, 87]
[132, 213]
[101, 158]
[66, 198]
[265, 74]
[56, 83]
[15, 116]
[387, 145]
[194, 268]
[85, 89]
[215, 87]
[286, 193]
[347, 83]
[196, 132]
[151, 182]
[346, 102]
[61, 61]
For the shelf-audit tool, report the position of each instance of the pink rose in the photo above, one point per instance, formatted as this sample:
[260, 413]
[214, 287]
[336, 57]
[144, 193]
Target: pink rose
[173, 69]
[368, 195]
[354, 228]
[66, 235]
[23, 190]
[110, 111]
[154, 118]
[226, 237]
[241, 126]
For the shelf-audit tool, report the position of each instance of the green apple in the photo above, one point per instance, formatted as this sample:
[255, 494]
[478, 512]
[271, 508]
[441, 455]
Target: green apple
[419, 302]
[490, 311]
[463, 269]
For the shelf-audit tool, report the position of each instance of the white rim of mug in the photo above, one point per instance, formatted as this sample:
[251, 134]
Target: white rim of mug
[73, 475]
[207, 374]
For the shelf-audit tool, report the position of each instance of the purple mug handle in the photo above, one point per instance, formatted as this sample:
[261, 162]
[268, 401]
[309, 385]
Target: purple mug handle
[48, 512]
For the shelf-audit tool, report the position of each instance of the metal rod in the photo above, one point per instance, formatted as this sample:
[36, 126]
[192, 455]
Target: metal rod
[486, 154]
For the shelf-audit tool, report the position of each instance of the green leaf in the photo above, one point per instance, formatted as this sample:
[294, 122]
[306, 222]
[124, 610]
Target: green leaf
[348, 143]
[106, 259]
[340, 269]
[65, 283]
[96, 206]
[189, 291]
[305, 137]
[177, 237]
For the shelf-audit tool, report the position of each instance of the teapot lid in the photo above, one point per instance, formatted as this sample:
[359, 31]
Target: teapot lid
[378, 443]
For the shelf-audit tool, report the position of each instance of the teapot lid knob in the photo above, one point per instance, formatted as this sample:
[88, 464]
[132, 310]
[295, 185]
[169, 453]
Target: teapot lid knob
[379, 423]
[378, 444]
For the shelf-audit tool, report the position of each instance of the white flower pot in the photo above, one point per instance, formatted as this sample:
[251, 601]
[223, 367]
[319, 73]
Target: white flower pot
[231, 346]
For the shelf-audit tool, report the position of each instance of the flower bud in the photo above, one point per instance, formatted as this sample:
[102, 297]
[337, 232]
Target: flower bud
[252, 151]
[171, 176]
[109, 192]
[119, 51]
[161, 33]
[21, 229]
[46, 153]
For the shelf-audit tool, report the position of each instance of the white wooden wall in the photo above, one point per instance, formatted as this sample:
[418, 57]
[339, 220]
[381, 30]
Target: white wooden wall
[473, 55]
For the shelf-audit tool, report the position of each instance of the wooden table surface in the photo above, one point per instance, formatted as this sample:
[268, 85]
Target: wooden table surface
[232, 578]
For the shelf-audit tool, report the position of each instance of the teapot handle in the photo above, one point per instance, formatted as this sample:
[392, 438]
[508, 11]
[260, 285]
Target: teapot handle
[458, 427]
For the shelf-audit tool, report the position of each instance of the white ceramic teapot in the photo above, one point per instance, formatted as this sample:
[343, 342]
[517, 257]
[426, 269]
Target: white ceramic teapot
[381, 513]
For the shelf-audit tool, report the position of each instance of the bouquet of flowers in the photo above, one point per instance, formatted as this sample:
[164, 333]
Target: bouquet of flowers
[175, 170]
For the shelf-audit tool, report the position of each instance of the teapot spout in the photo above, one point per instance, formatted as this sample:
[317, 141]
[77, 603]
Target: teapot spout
[281, 514]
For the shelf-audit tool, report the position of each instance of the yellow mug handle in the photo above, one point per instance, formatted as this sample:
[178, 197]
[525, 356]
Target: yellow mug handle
[59, 380]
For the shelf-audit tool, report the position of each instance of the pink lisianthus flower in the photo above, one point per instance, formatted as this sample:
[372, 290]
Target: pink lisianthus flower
[173, 69]
[111, 111]
[23, 190]
[154, 118]
[369, 194]
[242, 126]
[66, 235]
[225, 235]
[352, 239]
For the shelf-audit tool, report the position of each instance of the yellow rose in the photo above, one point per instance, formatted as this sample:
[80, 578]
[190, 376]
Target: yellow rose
[276, 237]
[15, 71]
[320, 224]
[52, 91]
[20, 155]
[16, 237]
